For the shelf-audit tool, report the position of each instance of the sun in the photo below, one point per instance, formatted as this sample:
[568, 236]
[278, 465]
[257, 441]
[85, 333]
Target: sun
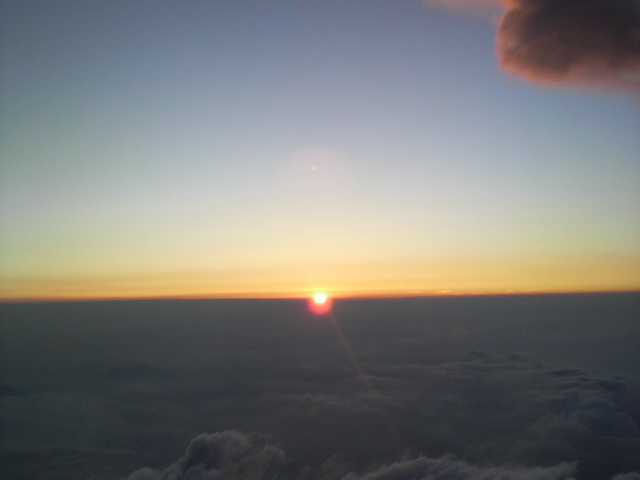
[319, 304]
[320, 298]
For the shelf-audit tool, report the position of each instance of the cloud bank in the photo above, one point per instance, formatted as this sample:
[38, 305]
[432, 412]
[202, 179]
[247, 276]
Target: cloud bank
[507, 419]
[582, 43]
[448, 468]
[233, 455]
[467, 388]
[228, 454]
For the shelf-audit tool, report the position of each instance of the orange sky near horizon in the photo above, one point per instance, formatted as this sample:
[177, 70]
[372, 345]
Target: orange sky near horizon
[340, 281]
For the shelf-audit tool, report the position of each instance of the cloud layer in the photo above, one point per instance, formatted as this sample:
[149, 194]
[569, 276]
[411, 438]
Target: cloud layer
[228, 454]
[233, 455]
[444, 395]
[569, 42]
[478, 417]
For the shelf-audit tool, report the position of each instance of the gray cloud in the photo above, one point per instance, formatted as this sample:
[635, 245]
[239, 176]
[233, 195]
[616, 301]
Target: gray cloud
[572, 42]
[480, 409]
[228, 454]
[448, 468]
[516, 409]
[233, 455]
[572, 397]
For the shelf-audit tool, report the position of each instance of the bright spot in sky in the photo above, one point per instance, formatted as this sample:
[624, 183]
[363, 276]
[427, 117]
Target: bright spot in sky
[319, 304]
[320, 298]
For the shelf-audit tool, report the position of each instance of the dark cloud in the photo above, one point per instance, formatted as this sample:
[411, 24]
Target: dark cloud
[443, 391]
[228, 455]
[232, 455]
[588, 43]
[448, 468]
[481, 409]
[580, 42]
[516, 409]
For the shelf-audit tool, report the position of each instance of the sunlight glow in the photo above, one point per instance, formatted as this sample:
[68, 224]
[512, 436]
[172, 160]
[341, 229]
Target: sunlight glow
[319, 298]
[319, 304]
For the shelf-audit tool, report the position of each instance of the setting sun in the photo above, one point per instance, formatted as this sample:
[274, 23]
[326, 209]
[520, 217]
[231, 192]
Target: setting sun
[319, 304]
[320, 298]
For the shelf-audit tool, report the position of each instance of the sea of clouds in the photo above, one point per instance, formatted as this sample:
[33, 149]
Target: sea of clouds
[529, 388]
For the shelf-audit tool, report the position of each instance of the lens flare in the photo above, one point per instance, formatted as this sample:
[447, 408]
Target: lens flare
[320, 304]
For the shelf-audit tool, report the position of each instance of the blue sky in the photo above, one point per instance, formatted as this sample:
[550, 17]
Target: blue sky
[168, 148]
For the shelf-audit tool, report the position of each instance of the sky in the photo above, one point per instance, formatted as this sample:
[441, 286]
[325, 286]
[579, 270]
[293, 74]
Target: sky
[369, 147]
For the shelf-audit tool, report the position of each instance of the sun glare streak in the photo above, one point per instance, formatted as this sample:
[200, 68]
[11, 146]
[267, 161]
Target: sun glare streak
[364, 379]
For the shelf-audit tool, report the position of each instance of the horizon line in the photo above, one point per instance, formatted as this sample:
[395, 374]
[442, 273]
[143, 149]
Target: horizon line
[298, 296]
